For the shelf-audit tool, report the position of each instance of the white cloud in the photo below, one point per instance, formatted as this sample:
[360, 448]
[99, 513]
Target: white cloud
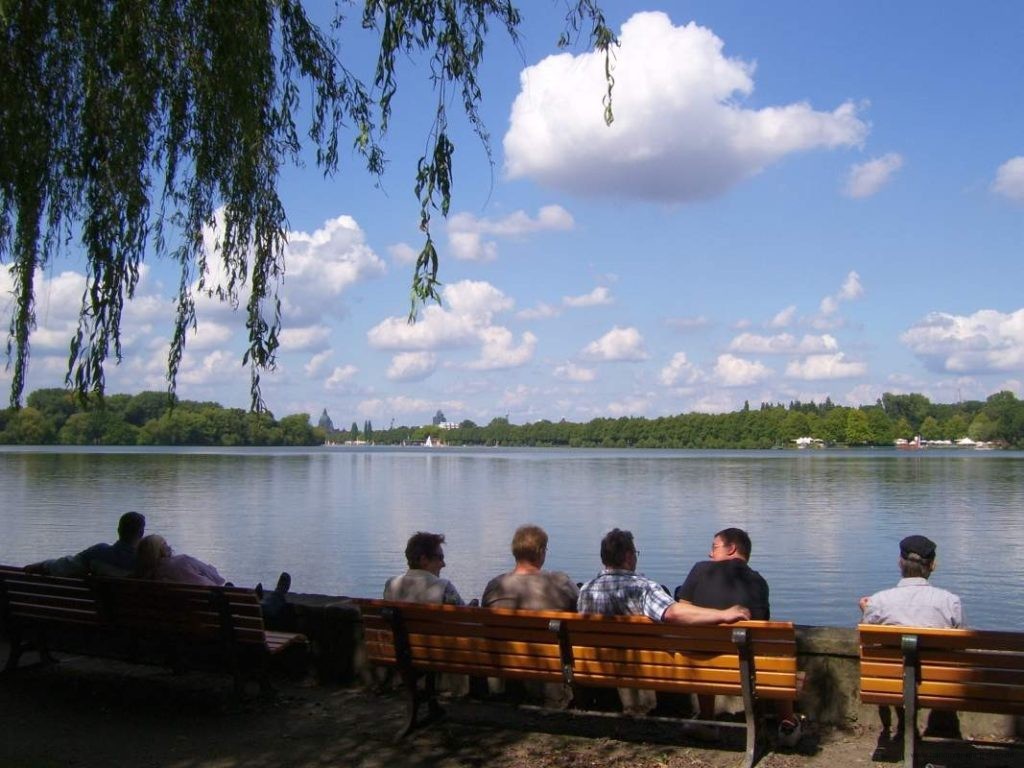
[340, 376]
[687, 324]
[596, 298]
[540, 312]
[719, 402]
[618, 345]
[818, 367]
[303, 339]
[863, 394]
[680, 371]
[403, 253]
[572, 372]
[218, 367]
[783, 318]
[499, 350]
[850, 289]
[408, 410]
[412, 366]
[987, 341]
[680, 131]
[865, 179]
[1010, 180]
[466, 232]
[781, 344]
[316, 363]
[467, 309]
[631, 406]
[732, 371]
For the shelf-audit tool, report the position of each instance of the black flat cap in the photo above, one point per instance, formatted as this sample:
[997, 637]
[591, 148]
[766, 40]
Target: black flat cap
[921, 546]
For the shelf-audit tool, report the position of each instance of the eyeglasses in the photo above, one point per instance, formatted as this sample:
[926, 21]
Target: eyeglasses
[438, 556]
[636, 552]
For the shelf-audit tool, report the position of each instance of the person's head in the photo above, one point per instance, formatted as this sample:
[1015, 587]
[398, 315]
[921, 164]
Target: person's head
[152, 549]
[530, 545]
[131, 527]
[618, 550]
[729, 544]
[917, 557]
[424, 551]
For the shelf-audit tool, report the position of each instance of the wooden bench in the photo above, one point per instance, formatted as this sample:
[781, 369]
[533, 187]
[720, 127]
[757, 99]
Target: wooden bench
[753, 660]
[945, 669]
[179, 626]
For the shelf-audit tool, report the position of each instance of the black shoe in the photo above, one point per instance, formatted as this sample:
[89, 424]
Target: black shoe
[284, 583]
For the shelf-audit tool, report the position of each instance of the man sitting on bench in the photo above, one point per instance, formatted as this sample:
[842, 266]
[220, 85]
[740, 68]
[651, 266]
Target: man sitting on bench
[117, 559]
[422, 583]
[916, 603]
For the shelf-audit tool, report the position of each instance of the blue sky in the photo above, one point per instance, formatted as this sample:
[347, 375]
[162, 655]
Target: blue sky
[795, 201]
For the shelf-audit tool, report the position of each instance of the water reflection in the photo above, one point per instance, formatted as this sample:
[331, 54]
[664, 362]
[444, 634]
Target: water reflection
[824, 524]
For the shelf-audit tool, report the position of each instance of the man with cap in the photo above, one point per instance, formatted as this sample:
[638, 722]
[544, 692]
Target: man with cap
[913, 601]
[916, 603]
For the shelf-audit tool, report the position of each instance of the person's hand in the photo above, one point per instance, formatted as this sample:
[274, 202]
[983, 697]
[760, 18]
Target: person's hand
[736, 613]
[35, 568]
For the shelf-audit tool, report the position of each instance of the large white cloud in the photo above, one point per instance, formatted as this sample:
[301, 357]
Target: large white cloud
[732, 371]
[985, 342]
[465, 319]
[412, 366]
[680, 372]
[818, 367]
[781, 344]
[865, 179]
[1010, 179]
[466, 232]
[618, 345]
[680, 131]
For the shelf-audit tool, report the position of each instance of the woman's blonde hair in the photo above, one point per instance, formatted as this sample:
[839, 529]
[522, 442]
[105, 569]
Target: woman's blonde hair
[152, 549]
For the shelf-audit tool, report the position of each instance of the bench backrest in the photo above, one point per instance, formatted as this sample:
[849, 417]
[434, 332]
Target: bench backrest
[224, 614]
[628, 651]
[462, 640]
[32, 598]
[958, 669]
[633, 651]
[205, 613]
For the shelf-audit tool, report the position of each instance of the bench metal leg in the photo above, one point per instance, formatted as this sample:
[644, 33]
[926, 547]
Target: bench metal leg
[742, 641]
[910, 675]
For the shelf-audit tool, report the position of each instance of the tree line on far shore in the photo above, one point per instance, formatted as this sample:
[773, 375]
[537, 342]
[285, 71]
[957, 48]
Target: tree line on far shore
[59, 417]
[56, 416]
[999, 420]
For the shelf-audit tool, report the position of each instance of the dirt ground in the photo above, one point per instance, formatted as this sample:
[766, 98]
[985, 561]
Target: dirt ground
[83, 713]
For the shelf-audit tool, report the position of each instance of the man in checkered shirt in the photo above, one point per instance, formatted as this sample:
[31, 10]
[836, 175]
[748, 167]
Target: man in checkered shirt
[618, 590]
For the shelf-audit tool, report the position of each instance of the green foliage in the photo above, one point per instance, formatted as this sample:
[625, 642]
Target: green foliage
[112, 421]
[129, 125]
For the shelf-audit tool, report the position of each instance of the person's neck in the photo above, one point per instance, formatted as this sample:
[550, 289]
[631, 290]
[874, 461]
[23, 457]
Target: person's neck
[523, 568]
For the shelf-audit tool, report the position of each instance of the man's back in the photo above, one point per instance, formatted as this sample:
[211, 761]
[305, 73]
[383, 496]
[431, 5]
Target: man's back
[419, 586]
[723, 583]
[540, 591]
[617, 592]
[916, 603]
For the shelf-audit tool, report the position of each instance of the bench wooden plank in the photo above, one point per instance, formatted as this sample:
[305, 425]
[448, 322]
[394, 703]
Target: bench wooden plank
[606, 651]
[148, 622]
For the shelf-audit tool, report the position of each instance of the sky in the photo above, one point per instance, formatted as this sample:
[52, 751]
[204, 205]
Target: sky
[795, 201]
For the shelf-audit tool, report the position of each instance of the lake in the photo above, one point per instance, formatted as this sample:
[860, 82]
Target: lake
[825, 524]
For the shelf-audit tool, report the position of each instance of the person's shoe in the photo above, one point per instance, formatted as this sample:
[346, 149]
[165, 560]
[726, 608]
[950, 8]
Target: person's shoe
[284, 583]
[258, 589]
[790, 731]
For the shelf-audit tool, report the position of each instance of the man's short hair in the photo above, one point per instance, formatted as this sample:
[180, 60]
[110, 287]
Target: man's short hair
[131, 526]
[422, 544]
[529, 544]
[736, 537]
[917, 557]
[616, 546]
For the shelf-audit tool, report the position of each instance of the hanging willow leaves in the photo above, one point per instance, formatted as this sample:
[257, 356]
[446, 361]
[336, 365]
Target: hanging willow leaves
[128, 126]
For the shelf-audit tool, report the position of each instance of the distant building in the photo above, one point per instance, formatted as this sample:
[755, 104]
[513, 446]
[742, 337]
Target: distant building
[325, 422]
[439, 418]
[448, 425]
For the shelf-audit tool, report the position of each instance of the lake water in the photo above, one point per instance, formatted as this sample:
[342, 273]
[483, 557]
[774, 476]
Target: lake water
[825, 524]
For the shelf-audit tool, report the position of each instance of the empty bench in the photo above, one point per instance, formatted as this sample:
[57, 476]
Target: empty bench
[179, 626]
[945, 669]
[754, 660]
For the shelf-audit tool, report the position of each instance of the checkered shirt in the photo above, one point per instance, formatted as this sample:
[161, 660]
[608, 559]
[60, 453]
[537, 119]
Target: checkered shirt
[617, 592]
